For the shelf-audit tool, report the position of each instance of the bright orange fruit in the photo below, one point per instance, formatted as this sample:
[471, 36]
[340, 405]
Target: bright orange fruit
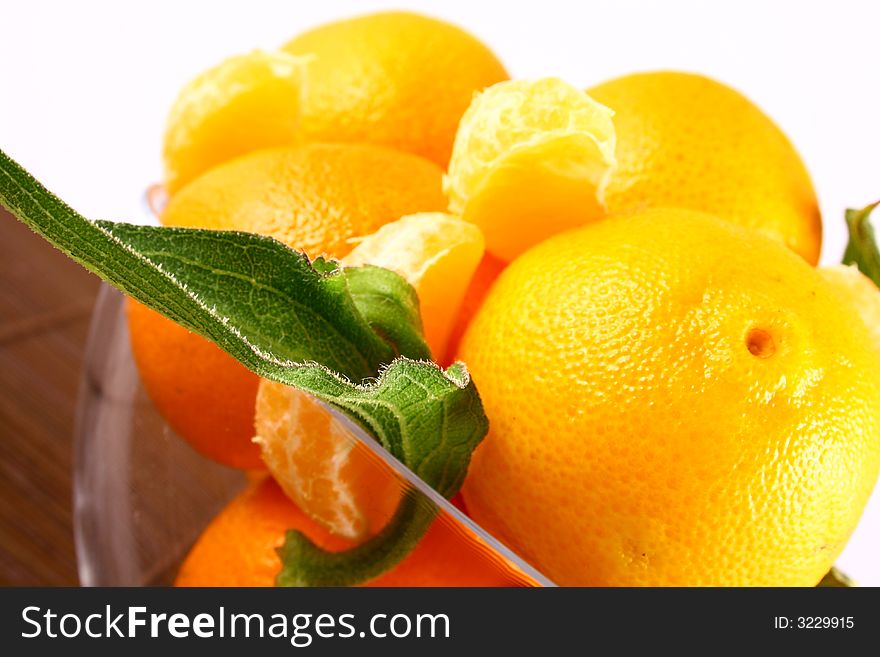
[860, 291]
[238, 548]
[314, 197]
[393, 78]
[246, 103]
[673, 400]
[687, 141]
[319, 198]
[203, 393]
[488, 271]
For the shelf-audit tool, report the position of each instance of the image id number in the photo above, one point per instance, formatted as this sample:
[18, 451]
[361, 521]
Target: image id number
[814, 622]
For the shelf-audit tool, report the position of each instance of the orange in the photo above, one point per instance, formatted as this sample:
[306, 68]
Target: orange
[245, 103]
[310, 454]
[673, 400]
[203, 393]
[860, 291]
[488, 270]
[314, 197]
[688, 141]
[238, 548]
[394, 78]
[531, 158]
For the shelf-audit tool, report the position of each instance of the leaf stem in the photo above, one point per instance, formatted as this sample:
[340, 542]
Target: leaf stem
[862, 247]
[306, 564]
[835, 579]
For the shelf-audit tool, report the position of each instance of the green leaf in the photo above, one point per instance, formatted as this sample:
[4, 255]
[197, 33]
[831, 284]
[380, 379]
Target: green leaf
[862, 247]
[261, 301]
[443, 399]
[427, 418]
[430, 420]
[835, 578]
[391, 307]
[315, 326]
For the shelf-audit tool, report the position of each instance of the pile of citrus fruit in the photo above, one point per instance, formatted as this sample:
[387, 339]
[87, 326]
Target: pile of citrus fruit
[677, 395]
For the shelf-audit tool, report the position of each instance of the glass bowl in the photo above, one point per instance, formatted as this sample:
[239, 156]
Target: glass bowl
[142, 495]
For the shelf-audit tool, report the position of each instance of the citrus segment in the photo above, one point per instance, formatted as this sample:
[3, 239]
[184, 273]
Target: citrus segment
[437, 254]
[311, 454]
[531, 158]
[245, 103]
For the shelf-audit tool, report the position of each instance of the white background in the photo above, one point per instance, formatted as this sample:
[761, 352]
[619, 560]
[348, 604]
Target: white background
[85, 85]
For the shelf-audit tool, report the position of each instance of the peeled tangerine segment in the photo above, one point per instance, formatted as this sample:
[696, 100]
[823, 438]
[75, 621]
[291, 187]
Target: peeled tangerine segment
[437, 254]
[245, 103]
[531, 159]
[313, 457]
[311, 454]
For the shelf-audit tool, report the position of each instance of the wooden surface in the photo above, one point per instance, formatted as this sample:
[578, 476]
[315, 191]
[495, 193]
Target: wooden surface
[45, 304]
